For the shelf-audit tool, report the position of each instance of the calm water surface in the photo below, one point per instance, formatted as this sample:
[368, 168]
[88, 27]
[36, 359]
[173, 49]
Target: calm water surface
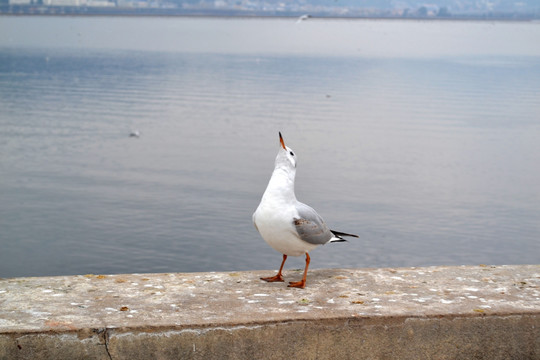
[421, 137]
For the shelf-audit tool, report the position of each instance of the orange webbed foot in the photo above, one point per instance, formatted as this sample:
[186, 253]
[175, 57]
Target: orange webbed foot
[278, 277]
[297, 284]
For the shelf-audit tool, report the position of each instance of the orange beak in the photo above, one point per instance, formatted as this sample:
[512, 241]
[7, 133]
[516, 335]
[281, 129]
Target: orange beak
[281, 141]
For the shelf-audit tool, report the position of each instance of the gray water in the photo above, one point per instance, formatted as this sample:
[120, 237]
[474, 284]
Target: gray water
[421, 137]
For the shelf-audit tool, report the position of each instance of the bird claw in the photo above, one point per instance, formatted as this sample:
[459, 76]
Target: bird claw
[278, 277]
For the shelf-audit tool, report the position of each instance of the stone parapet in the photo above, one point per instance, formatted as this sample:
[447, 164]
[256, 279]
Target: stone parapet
[467, 312]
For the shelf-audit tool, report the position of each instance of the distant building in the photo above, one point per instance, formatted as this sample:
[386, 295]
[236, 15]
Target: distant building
[428, 10]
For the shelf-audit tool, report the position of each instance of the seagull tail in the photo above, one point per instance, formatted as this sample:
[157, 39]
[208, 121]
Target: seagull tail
[338, 236]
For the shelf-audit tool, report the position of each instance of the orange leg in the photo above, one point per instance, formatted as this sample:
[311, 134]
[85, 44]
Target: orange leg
[301, 284]
[278, 277]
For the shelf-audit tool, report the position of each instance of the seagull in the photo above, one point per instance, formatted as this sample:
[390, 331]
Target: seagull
[287, 225]
[135, 133]
[303, 18]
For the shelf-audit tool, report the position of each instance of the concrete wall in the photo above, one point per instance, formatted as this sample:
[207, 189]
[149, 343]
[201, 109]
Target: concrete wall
[480, 312]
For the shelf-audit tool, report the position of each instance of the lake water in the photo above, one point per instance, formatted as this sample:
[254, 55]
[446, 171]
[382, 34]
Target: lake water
[422, 137]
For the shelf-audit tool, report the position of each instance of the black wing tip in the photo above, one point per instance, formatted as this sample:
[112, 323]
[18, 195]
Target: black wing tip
[339, 234]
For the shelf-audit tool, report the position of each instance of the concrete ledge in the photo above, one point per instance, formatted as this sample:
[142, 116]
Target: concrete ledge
[471, 312]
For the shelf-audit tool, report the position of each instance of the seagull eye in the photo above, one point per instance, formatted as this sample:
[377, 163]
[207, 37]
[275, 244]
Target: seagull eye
[292, 154]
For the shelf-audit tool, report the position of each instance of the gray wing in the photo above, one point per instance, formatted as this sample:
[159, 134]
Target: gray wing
[310, 226]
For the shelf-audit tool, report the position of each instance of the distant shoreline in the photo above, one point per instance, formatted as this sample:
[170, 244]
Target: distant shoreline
[269, 17]
[40, 10]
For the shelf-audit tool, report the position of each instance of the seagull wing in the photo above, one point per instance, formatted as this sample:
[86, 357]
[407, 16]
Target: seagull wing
[310, 226]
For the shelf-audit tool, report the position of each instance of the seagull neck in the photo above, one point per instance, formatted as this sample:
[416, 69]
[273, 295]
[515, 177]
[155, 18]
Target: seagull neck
[281, 184]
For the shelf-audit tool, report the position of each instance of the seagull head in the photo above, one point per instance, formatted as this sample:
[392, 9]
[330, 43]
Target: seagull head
[286, 158]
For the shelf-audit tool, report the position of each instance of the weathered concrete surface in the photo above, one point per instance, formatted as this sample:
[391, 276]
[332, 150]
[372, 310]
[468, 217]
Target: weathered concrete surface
[478, 312]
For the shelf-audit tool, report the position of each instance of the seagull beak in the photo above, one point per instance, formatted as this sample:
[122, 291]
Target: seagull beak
[281, 141]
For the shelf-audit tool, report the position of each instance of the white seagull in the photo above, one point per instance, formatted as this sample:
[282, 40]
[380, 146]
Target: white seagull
[303, 18]
[135, 133]
[286, 224]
